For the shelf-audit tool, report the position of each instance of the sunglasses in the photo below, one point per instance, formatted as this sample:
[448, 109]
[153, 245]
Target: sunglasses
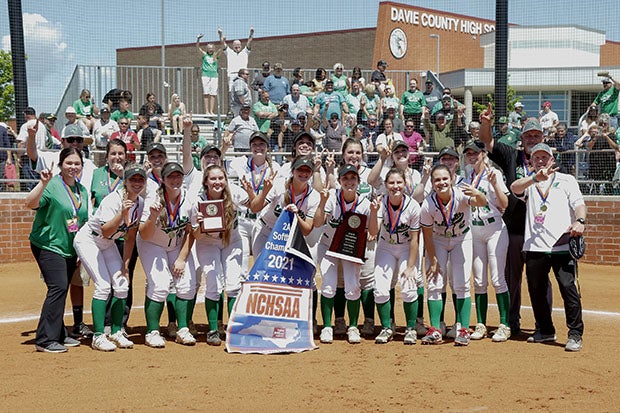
[74, 139]
[123, 123]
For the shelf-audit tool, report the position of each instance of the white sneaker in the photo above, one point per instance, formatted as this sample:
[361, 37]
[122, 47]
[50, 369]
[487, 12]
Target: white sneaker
[340, 327]
[501, 334]
[327, 335]
[185, 337]
[479, 333]
[120, 340]
[368, 328]
[384, 336]
[420, 328]
[154, 339]
[410, 336]
[101, 343]
[353, 335]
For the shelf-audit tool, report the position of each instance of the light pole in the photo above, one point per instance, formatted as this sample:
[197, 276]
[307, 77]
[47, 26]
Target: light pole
[436, 36]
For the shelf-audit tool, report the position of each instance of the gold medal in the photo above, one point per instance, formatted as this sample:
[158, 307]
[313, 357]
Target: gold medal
[543, 207]
[449, 234]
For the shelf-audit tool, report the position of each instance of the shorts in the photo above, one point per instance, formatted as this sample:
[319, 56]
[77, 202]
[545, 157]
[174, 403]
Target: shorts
[209, 85]
[80, 277]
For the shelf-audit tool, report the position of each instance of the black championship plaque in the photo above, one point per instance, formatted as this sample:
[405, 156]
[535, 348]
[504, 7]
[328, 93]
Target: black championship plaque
[349, 242]
[213, 218]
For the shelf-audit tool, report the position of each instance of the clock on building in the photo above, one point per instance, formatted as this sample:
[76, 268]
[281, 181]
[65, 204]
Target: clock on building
[398, 43]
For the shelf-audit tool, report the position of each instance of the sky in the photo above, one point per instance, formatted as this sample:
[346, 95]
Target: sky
[60, 35]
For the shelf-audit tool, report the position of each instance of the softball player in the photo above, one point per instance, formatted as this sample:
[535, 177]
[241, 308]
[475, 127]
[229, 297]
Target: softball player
[220, 254]
[445, 220]
[490, 240]
[332, 208]
[164, 244]
[397, 250]
[117, 217]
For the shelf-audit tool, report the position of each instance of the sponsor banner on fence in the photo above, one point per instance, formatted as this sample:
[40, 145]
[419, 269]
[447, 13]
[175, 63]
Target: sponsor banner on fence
[273, 312]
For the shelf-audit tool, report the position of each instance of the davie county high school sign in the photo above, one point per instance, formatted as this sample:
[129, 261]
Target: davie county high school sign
[438, 21]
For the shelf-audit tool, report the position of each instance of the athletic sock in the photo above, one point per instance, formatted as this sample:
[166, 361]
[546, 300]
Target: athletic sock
[152, 312]
[392, 304]
[78, 314]
[181, 309]
[384, 314]
[503, 303]
[170, 299]
[117, 311]
[463, 311]
[212, 308]
[327, 305]
[231, 305]
[482, 304]
[340, 303]
[410, 312]
[98, 309]
[353, 308]
[368, 303]
[421, 303]
[434, 311]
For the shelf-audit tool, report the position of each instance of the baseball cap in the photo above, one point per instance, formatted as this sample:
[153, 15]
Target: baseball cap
[346, 169]
[171, 167]
[70, 109]
[429, 82]
[334, 115]
[503, 119]
[448, 150]
[474, 145]
[245, 106]
[448, 97]
[295, 123]
[532, 125]
[277, 66]
[360, 126]
[382, 63]
[303, 162]
[72, 130]
[156, 147]
[301, 115]
[606, 80]
[30, 111]
[50, 116]
[542, 147]
[546, 104]
[518, 105]
[210, 148]
[259, 135]
[398, 143]
[104, 110]
[301, 135]
[134, 170]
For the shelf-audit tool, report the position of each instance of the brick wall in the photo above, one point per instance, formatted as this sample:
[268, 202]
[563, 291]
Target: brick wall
[602, 231]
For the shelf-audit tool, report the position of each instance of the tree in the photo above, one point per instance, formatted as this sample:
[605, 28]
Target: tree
[7, 90]
[511, 99]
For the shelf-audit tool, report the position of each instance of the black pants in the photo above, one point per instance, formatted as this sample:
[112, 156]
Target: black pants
[57, 272]
[537, 267]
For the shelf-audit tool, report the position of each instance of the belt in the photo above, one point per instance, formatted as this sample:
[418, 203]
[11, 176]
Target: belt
[482, 222]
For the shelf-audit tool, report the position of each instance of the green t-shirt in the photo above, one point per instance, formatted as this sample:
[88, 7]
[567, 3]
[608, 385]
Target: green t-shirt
[608, 99]
[50, 229]
[103, 183]
[340, 85]
[83, 109]
[412, 101]
[117, 115]
[209, 65]
[200, 143]
[511, 138]
[263, 124]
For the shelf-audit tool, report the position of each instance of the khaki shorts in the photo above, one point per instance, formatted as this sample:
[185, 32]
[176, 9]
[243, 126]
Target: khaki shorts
[80, 277]
[209, 85]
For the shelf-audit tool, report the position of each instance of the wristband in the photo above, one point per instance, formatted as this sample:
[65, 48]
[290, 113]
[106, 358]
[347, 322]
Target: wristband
[582, 221]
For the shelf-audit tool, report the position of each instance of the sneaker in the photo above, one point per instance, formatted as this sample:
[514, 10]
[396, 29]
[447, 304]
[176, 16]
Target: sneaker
[384, 336]
[480, 332]
[154, 339]
[70, 342]
[353, 335]
[220, 327]
[327, 335]
[185, 337]
[171, 330]
[443, 329]
[410, 336]
[368, 328]
[538, 337]
[101, 343]
[192, 328]
[121, 340]
[54, 347]
[420, 328]
[213, 338]
[573, 344]
[501, 334]
[340, 327]
[452, 332]
[433, 336]
[82, 330]
[462, 338]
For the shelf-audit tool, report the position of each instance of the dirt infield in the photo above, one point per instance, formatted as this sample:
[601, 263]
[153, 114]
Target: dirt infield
[486, 376]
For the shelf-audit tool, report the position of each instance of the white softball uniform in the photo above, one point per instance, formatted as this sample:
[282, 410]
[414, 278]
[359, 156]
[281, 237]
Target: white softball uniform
[100, 256]
[393, 249]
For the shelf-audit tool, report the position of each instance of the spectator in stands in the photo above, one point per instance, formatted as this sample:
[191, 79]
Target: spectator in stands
[415, 141]
[356, 75]
[124, 104]
[71, 115]
[302, 117]
[264, 111]
[128, 136]
[378, 77]
[240, 94]
[608, 99]
[389, 99]
[241, 128]
[176, 113]
[330, 102]
[237, 57]
[340, 80]
[514, 117]
[49, 120]
[548, 118]
[397, 124]
[276, 126]
[6, 157]
[602, 164]
[85, 108]
[411, 103]
[198, 144]
[102, 131]
[506, 135]
[563, 141]
[446, 106]
[298, 77]
[370, 135]
[431, 95]
[353, 99]
[335, 133]
[154, 111]
[317, 133]
[277, 85]
[589, 119]
[297, 103]
[259, 79]
[473, 133]
[286, 135]
[319, 80]
[441, 134]
[112, 99]
[210, 58]
[147, 135]
[370, 103]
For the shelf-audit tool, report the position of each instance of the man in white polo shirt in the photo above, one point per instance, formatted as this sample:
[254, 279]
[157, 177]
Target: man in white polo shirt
[237, 57]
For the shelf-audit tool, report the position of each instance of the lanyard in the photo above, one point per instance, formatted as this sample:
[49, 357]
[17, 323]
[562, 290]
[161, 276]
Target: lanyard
[394, 216]
[257, 183]
[155, 178]
[75, 199]
[343, 204]
[446, 219]
[112, 185]
[543, 197]
[300, 202]
[129, 220]
[476, 182]
[173, 214]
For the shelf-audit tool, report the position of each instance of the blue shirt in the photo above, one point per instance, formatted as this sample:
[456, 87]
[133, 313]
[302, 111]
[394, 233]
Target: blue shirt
[278, 87]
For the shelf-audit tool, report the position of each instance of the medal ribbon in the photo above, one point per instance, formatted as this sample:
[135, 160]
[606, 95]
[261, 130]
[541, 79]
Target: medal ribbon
[76, 200]
[476, 182]
[155, 178]
[112, 186]
[543, 197]
[392, 220]
[446, 219]
[257, 183]
[300, 202]
[526, 165]
[129, 220]
[174, 214]
[343, 205]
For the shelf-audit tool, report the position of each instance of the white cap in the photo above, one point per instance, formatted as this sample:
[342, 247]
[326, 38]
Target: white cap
[70, 109]
[518, 105]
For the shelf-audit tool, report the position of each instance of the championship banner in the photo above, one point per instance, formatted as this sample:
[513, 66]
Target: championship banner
[273, 312]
